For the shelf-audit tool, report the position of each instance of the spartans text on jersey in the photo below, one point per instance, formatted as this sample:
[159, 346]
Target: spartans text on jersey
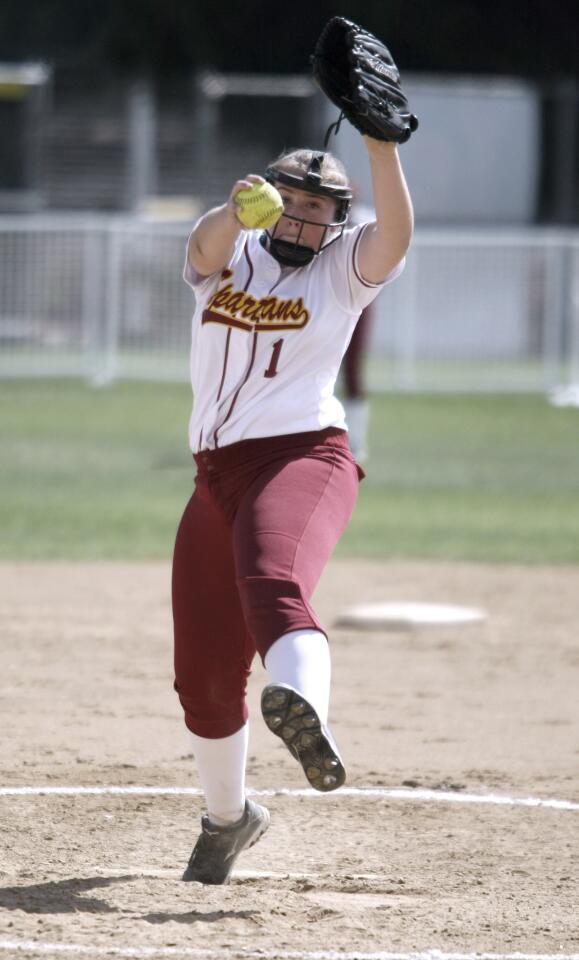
[236, 308]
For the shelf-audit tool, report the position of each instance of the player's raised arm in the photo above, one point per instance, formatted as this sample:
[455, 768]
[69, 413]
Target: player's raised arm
[357, 72]
[213, 238]
[386, 241]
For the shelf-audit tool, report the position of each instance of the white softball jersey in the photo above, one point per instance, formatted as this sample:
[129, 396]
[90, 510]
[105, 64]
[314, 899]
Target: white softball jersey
[267, 341]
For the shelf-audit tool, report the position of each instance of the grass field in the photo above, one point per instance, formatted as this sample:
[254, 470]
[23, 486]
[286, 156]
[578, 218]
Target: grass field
[105, 474]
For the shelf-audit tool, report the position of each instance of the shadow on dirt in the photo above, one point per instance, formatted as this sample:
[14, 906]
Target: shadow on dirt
[197, 916]
[69, 896]
[62, 896]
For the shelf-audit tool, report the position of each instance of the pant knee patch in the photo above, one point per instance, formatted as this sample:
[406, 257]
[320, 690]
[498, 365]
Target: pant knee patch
[273, 607]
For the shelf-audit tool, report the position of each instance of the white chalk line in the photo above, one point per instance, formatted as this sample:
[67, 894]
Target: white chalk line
[423, 794]
[40, 947]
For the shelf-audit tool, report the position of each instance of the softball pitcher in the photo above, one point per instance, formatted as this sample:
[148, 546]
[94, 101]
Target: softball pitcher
[276, 482]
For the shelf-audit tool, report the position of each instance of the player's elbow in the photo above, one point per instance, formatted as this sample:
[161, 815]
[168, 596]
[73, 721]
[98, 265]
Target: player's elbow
[201, 264]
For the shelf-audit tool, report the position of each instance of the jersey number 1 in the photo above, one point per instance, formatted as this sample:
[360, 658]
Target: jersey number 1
[276, 350]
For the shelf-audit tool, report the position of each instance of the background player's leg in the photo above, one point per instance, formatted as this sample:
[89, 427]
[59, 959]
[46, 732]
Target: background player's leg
[213, 654]
[355, 397]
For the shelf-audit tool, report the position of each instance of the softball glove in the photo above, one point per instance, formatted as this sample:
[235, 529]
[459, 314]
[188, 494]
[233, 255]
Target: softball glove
[357, 72]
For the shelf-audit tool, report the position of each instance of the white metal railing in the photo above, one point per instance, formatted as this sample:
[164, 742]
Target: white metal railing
[101, 297]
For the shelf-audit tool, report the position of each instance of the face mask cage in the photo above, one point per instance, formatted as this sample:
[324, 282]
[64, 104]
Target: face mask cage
[292, 253]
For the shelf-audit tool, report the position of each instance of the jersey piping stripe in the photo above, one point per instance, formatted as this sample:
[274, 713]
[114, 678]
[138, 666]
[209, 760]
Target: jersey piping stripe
[224, 364]
[354, 262]
[251, 362]
[228, 340]
[249, 264]
[240, 387]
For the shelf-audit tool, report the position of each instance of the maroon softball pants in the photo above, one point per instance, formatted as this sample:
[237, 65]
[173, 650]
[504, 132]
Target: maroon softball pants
[263, 520]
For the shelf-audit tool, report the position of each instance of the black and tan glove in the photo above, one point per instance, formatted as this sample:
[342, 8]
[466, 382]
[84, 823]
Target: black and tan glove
[356, 71]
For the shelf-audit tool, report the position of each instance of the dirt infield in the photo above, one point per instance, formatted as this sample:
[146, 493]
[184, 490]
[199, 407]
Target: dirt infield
[85, 669]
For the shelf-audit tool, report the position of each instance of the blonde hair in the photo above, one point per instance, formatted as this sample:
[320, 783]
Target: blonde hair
[333, 170]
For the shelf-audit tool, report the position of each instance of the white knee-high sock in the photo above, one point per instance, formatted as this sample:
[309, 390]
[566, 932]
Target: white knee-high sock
[221, 768]
[302, 660]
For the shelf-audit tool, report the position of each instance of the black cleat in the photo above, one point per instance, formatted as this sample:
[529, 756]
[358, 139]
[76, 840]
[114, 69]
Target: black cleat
[294, 720]
[217, 848]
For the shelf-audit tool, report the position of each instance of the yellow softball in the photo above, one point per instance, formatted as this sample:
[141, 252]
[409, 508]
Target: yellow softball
[259, 207]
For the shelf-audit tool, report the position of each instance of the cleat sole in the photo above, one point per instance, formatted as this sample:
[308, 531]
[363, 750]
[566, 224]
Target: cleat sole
[291, 718]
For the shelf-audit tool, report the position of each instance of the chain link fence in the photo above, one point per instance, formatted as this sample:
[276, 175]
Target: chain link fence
[101, 298]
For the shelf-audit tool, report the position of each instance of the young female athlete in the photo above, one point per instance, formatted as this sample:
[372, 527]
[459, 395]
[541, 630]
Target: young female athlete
[276, 482]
